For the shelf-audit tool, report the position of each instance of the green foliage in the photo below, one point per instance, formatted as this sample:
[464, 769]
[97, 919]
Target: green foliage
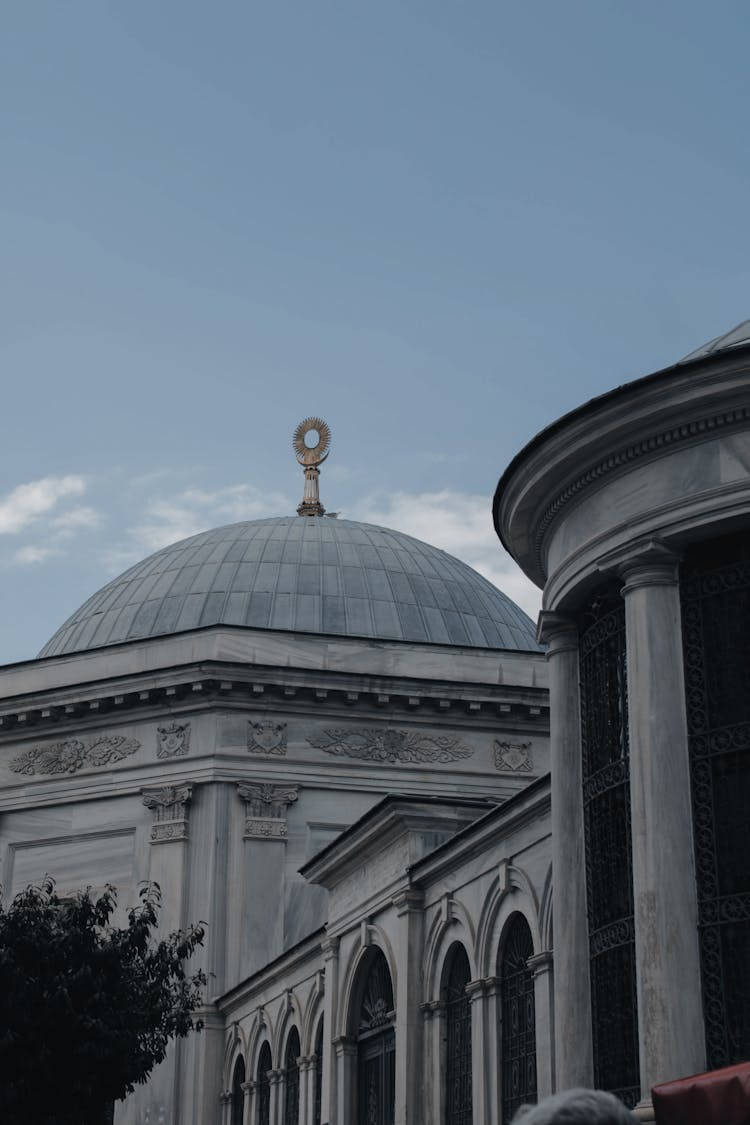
[86, 1009]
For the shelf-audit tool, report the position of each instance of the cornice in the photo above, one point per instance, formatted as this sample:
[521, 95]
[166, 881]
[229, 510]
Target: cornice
[201, 687]
[642, 420]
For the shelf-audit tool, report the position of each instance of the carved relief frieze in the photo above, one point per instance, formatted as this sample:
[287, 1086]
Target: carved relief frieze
[170, 806]
[173, 740]
[265, 809]
[75, 754]
[387, 745]
[266, 737]
[514, 756]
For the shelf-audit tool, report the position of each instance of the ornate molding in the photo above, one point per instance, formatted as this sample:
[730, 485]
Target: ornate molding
[266, 737]
[377, 745]
[75, 754]
[513, 756]
[173, 740]
[170, 807]
[676, 435]
[265, 809]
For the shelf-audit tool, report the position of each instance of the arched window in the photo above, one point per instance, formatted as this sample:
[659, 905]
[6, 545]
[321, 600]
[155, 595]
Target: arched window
[238, 1094]
[376, 1045]
[456, 976]
[518, 1018]
[263, 1089]
[291, 1079]
[318, 1074]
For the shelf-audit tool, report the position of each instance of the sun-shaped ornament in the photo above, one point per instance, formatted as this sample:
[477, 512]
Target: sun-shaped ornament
[312, 454]
[311, 443]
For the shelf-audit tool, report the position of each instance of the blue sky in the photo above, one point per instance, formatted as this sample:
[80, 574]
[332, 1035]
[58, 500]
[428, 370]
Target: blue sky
[437, 225]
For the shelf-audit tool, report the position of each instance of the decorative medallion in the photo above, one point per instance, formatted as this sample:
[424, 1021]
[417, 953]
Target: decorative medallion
[513, 756]
[173, 740]
[169, 804]
[376, 745]
[265, 809]
[266, 737]
[74, 754]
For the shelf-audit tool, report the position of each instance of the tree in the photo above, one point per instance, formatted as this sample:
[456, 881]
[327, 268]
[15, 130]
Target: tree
[86, 1009]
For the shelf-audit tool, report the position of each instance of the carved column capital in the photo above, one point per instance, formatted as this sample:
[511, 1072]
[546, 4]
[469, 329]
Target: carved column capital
[646, 562]
[170, 806]
[265, 809]
[558, 631]
[540, 963]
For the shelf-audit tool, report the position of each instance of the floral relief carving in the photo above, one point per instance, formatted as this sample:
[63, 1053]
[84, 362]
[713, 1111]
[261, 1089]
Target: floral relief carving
[376, 745]
[75, 754]
[173, 740]
[266, 737]
[514, 756]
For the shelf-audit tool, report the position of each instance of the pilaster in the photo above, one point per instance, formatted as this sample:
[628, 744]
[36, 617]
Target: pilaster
[477, 992]
[329, 1062]
[409, 1078]
[541, 967]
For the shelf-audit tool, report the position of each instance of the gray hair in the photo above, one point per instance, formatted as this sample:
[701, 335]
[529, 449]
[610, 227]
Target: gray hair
[576, 1107]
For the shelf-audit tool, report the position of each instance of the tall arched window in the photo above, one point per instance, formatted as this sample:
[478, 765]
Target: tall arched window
[318, 1074]
[518, 1018]
[291, 1079]
[376, 1044]
[238, 1094]
[263, 1089]
[456, 976]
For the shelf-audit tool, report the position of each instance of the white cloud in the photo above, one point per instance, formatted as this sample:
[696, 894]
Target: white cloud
[173, 518]
[27, 502]
[31, 554]
[76, 518]
[460, 523]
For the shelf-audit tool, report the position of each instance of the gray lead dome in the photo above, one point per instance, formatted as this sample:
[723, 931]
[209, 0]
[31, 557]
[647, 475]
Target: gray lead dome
[304, 575]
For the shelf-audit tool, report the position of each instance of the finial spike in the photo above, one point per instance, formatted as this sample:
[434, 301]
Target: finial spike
[310, 457]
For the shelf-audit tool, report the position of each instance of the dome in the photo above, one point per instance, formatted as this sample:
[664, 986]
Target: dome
[737, 337]
[308, 575]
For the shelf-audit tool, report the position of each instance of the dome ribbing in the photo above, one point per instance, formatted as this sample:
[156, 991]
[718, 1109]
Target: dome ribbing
[303, 575]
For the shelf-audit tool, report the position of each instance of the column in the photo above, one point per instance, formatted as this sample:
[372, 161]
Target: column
[492, 1048]
[248, 1089]
[433, 1034]
[476, 990]
[409, 953]
[670, 1016]
[346, 1063]
[330, 948]
[306, 1064]
[276, 1090]
[225, 1100]
[572, 992]
[541, 967]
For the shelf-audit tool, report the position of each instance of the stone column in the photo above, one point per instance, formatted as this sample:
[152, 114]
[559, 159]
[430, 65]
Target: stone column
[330, 948]
[433, 1014]
[225, 1100]
[248, 1089]
[572, 992]
[541, 967]
[409, 953]
[670, 1016]
[306, 1064]
[492, 1048]
[346, 1063]
[276, 1089]
[477, 990]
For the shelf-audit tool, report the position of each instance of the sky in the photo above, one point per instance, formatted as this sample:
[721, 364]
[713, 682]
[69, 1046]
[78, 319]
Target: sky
[436, 225]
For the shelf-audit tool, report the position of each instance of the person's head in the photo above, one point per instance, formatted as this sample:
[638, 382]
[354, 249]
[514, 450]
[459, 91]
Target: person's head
[576, 1107]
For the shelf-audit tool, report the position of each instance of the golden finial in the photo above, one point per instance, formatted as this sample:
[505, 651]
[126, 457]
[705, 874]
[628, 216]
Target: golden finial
[310, 456]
